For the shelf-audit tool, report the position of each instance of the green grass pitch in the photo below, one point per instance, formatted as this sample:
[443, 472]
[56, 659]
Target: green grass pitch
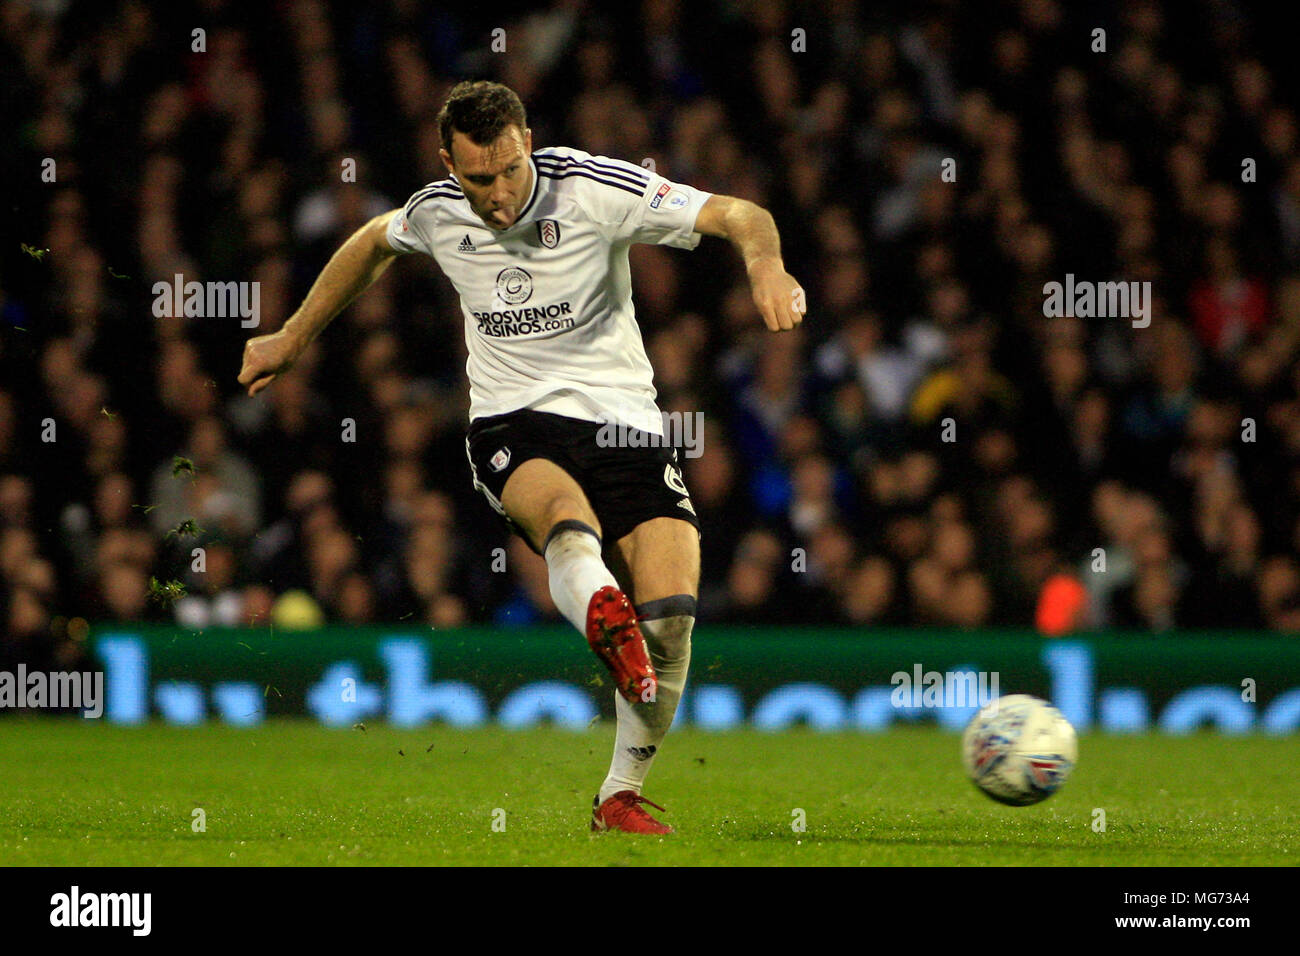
[293, 793]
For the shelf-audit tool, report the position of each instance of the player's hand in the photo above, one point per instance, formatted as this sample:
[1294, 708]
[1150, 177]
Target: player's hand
[779, 298]
[265, 357]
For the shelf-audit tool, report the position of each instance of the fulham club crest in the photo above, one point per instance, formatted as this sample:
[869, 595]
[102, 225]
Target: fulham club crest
[548, 231]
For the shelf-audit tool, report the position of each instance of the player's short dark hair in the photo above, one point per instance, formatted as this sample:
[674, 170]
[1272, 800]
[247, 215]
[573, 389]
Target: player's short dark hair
[481, 110]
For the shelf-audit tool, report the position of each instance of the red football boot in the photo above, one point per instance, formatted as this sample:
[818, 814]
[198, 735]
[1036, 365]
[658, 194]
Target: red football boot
[615, 636]
[623, 812]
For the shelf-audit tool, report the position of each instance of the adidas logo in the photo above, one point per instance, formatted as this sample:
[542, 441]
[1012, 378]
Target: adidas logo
[466, 245]
[642, 753]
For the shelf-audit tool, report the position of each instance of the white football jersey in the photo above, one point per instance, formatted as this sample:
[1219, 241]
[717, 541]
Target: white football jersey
[549, 322]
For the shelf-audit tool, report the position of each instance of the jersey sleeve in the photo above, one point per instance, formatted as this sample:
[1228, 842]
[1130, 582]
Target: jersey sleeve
[402, 236]
[653, 210]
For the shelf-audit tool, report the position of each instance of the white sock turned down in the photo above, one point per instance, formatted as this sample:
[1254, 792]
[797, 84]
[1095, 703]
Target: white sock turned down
[643, 726]
[577, 572]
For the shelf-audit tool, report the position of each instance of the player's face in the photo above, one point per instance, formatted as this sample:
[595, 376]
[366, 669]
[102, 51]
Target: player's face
[496, 178]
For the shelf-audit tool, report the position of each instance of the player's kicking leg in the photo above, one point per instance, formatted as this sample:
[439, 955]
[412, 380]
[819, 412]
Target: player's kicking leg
[525, 463]
[660, 562]
[545, 502]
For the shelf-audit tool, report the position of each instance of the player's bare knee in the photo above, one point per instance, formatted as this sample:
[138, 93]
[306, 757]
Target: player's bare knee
[568, 507]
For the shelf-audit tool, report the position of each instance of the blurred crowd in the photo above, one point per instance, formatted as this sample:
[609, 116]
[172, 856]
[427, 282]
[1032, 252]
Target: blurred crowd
[929, 449]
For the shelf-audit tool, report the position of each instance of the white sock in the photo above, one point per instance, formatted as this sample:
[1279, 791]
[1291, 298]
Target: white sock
[642, 727]
[576, 570]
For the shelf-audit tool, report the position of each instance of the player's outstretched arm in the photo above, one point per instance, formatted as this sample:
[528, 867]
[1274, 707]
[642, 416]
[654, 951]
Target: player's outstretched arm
[357, 263]
[752, 230]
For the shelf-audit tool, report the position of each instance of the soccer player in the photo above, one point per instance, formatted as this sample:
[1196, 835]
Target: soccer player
[536, 244]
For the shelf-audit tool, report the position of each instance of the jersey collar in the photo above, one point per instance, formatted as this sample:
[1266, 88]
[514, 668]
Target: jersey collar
[532, 195]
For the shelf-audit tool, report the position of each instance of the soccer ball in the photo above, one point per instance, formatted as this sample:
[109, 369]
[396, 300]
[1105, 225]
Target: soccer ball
[1019, 750]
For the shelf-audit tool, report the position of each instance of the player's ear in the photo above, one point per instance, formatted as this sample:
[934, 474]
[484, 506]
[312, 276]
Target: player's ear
[528, 142]
[446, 161]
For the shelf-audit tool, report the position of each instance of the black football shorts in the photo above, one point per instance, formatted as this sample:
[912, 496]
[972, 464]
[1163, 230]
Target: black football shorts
[625, 485]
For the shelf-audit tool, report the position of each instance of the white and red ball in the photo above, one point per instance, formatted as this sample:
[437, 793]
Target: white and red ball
[1019, 750]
